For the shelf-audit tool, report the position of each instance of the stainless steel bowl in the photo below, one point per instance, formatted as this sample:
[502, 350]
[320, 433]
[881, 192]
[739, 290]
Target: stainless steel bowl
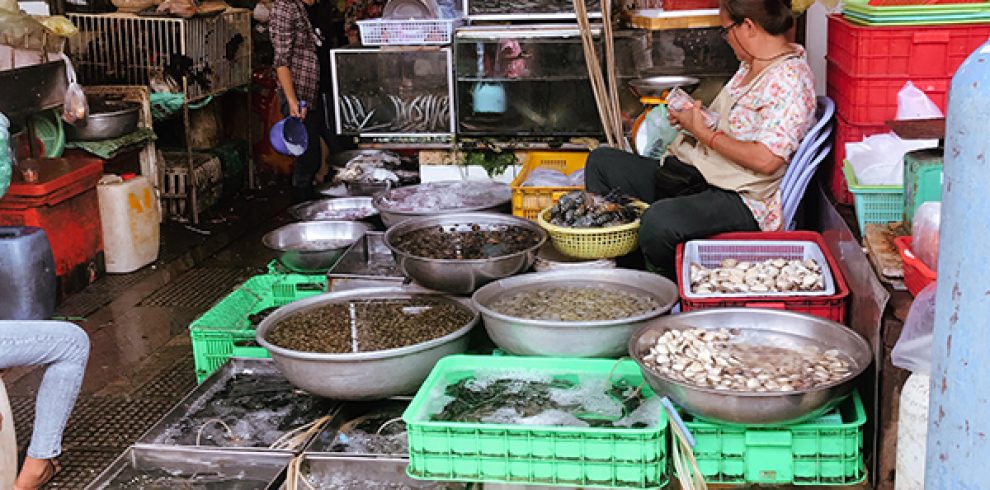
[118, 119]
[764, 326]
[392, 217]
[340, 209]
[462, 276]
[364, 375]
[327, 241]
[603, 338]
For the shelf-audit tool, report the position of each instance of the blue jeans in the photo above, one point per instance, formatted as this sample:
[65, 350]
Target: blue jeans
[64, 348]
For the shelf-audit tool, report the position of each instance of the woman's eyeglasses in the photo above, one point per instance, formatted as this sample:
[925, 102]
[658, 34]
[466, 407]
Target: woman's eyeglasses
[724, 30]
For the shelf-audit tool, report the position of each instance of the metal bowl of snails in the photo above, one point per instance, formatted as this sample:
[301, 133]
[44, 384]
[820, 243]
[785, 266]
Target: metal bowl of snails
[750, 366]
[369, 372]
[572, 313]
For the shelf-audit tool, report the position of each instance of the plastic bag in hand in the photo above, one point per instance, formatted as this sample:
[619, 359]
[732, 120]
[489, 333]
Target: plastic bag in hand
[912, 103]
[657, 133]
[924, 233]
[913, 350]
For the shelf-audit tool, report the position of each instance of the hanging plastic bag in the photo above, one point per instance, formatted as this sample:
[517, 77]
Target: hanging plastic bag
[924, 233]
[657, 133]
[913, 350]
[75, 108]
[6, 159]
[912, 103]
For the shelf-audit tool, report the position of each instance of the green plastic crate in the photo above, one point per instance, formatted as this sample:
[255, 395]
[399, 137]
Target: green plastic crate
[541, 455]
[216, 333]
[922, 180]
[826, 451]
[874, 203]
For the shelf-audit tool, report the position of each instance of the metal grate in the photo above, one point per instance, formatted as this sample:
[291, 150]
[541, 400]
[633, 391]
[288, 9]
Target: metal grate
[172, 383]
[112, 422]
[81, 466]
[23, 409]
[82, 304]
[213, 54]
[115, 284]
[198, 288]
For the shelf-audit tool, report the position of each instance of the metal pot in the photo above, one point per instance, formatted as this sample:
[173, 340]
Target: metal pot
[363, 375]
[112, 120]
[339, 235]
[456, 275]
[604, 338]
[391, 217]
[755, 408]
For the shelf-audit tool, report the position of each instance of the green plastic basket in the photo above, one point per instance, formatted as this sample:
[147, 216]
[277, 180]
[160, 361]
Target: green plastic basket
[225, 330]
[826, 451]
[874, 203]
[922, 180]
[523, 454]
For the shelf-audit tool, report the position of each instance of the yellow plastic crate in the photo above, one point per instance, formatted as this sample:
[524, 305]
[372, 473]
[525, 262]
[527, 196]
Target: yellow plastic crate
[528, 201]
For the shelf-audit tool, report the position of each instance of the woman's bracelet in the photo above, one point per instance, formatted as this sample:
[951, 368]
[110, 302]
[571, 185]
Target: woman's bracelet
[711, 139]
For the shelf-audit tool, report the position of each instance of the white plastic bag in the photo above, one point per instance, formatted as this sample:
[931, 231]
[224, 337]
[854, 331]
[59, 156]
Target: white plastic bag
[657, 133]
[75, 108]
[924, 233]
[912, 103]
[879, 159]
[913, 350]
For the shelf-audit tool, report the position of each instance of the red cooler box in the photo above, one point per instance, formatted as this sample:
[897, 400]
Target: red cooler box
[62, 202]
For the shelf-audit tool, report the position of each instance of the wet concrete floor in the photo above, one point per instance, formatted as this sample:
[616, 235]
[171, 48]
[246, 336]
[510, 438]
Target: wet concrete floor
[141, 360]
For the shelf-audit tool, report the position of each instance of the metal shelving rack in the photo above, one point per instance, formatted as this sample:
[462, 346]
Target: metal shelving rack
[207, 56]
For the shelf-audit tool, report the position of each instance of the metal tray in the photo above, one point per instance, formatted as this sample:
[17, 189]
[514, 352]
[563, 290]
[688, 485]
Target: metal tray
[368, 473]
[367, 263]
[267, 468]
[157, 436]
[389, 411]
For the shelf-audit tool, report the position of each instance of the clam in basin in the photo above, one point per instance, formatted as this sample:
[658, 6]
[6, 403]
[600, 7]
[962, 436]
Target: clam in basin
[601, 338]
[761, 327]
[363, 375]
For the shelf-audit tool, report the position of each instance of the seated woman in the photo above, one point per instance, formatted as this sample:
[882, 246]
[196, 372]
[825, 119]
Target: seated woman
[727, 178]
[64, 349]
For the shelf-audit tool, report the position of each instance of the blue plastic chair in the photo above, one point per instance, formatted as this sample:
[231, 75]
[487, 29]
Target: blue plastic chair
[804, 163]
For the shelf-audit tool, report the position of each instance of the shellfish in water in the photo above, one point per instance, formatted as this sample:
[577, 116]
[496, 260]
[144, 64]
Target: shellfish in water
[715, 359]
[768, 276]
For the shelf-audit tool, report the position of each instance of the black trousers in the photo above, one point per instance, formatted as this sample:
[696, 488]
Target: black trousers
[683, 205]
[319, 125]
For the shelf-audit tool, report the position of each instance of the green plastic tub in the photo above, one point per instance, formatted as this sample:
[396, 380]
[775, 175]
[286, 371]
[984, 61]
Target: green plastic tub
[529, 454]
[922, 180]
[826, 451]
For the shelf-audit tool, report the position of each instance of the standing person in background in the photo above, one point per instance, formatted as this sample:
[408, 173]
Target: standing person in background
[297, 68]
[328, 24]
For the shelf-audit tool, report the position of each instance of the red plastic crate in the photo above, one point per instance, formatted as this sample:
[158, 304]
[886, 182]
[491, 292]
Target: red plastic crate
[63, 202]
[917, 275]
[689, 4]
[829, 307]
[874, 100]
[902, 52]
[846, 132]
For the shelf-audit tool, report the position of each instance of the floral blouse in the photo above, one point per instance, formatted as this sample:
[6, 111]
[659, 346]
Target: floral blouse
[777, 111]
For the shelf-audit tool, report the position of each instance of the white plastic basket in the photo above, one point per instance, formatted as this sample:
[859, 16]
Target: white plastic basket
[381, 32]
[710, 253]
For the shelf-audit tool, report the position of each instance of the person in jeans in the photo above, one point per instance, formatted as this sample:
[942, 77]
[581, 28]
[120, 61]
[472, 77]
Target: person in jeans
[297, 68]
[727, 177]
[64, 348]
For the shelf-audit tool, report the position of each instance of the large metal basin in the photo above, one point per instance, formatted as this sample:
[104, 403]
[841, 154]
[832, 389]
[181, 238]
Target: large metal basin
[339, 209]
[391, 217]
[764, 326]
[364, 375]
[338, 235]
[462, 276]
[603, 338]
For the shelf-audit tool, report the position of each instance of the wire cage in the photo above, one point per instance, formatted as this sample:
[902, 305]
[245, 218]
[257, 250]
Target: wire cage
[213, 54]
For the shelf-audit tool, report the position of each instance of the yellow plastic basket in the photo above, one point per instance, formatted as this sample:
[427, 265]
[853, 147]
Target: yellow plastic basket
[592, 243]
[528, 201]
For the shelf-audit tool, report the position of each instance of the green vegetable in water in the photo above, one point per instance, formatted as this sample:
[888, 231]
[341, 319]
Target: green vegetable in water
[573, 304]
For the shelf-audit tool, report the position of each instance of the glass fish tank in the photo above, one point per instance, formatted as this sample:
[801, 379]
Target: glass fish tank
[532, 81]
[393, 92]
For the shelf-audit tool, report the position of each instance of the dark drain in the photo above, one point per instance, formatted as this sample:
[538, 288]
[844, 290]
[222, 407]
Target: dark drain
[198, 288]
